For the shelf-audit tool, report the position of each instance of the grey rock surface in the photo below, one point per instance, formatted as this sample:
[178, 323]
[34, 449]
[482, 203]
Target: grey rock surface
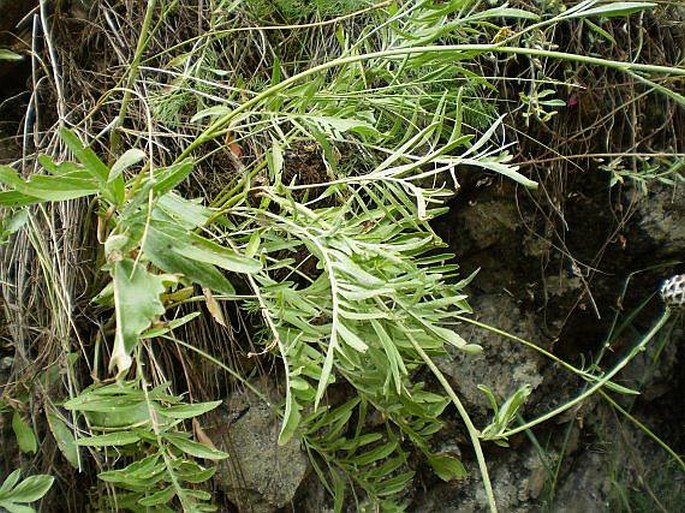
[503, 365]
[662, 218]
[259, 476]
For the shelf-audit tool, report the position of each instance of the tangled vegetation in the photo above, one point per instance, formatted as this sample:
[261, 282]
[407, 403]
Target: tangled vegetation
[273, 166]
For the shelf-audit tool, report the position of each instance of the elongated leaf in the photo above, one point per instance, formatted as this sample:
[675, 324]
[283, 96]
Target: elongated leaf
[110, 439]
[137, 303]
[112, 191]
[170, 326]
[376, 454]
[163, 247]
[397, 367]
[64, 438]
[291, 418]
[9, 55]
[621, 389]
[32, 488]
[76, 184]
[25, 437]
[85, 155]
[209, 252]
[129, 158]
[195, 449]
[351, 338]
[504, 12]
[17, 199]
[186, 213]
[455, 339]
[140, 474]
[214, 111]
[187, 411]
[191, 472]
[161, 497]
[120, 416]
[396, 484]
[13, 507]
[614, 9]
[9, 483]
[168, 178]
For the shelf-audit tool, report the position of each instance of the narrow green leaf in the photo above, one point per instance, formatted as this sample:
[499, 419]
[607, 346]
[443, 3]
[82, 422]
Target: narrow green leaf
[75, 184]
[162, 246]
[447, 467]
[211, 112]
[351, 338]
[13, 507]
[614, 9]
[161, 497]
[85, 155]
[110, 439]
[191, 472]
[376, 454]
[9, 55]
[397, 367]
[168, 178]
[206, 251]
[64, 438]
[504, 12]
[9, 483]
[170, 326]
[291, 418]
[32, 488]
[188, 411]
[198, 494]
[25, 437]
[396, 484]
[621, 389]
[194, 448]
[17, 199]
[129, 158]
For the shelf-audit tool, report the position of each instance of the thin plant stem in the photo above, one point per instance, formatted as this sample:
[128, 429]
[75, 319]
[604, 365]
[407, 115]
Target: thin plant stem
[474, 434]
[641, 346]
[644, 429]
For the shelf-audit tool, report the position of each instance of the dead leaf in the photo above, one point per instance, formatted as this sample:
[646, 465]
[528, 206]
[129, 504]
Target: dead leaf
[214, 307]
[201, 436]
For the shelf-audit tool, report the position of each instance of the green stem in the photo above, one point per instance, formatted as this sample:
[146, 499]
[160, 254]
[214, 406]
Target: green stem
[644, 429]
[583, 374]
[600, 383]
[474, 434]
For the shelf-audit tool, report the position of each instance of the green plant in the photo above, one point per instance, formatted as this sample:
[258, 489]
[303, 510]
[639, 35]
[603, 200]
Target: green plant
[16, 494]
[131, 419]
[393, 109]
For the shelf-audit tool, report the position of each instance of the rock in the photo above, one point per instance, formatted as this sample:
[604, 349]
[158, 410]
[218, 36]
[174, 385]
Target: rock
[504, 365]
[518, 480]
[487, 223]
[259, 476]
[586, 489]
[662, 220]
